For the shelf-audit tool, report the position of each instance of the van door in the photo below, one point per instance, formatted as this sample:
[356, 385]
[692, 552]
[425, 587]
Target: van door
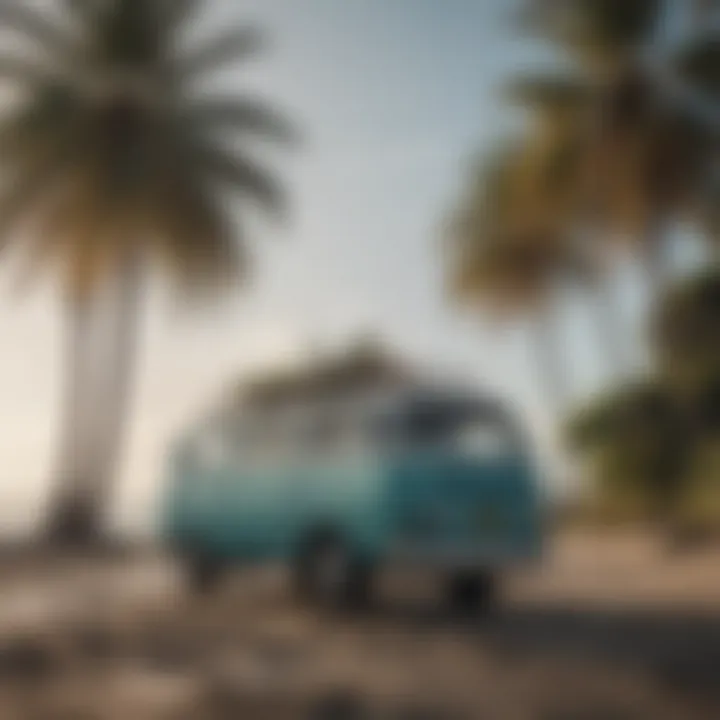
[256, 500]
[336, 485]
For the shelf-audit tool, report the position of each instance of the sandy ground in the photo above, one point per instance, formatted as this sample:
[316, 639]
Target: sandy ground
[604, 630]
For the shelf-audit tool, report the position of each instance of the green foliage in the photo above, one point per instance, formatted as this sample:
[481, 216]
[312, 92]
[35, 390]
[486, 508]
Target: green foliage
[686, 332]
[655, 446]
[699, 63]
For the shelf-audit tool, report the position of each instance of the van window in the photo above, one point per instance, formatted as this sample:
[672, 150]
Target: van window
[250, 439]
[278, 436]
[321, 434]
[212, 447]
[430, 423]
[471, 427]
[325, 429]
[485, 439]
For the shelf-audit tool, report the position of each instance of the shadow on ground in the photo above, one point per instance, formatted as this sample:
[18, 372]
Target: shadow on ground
[680, 649]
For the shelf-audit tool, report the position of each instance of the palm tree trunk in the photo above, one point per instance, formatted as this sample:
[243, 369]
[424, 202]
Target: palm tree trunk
[606, 321]
[609, 332]
[657, 268]
[70, 515]
[123, 353]
[92, 435]
[550, 359]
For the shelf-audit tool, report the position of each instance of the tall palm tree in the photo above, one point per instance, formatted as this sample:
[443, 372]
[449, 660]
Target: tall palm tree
[643, 149]
[608, 157]
[579, 137]
[642, 154]
[114, 158]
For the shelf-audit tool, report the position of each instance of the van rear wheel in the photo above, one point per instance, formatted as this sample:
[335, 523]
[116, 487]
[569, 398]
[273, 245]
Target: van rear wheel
[327, 574]
[472, 593]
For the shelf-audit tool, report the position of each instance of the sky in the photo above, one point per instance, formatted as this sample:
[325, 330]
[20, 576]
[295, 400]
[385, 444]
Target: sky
[394, 101]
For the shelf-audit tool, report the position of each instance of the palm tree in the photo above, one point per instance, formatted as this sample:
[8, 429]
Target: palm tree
[609, 156]
[114, 160]
[528, 233]
[639, 156]
[644, 151]
[509, 250]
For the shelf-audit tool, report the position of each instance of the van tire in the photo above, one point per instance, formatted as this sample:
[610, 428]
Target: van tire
[203, 575]
[472, 593]
[326, 574]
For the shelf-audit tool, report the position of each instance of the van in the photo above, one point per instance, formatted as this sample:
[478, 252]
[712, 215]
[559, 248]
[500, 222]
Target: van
[430, 478]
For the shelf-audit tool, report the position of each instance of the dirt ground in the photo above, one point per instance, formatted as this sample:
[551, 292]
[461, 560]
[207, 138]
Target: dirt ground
[606, 629]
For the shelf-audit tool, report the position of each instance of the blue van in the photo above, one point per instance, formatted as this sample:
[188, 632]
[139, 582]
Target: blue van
[342, 487]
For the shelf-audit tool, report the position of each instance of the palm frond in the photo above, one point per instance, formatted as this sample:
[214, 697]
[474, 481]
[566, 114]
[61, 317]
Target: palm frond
[130, 33]
[31, 128]
[25, 191]
[40, 146]
[513, 234]
[549, 92]
[200, 244]
[243, 176]
[175, 13]
[25, 72]
[242, 115]
[83, 9]
[594, 27]
[34, 25]
[699, 64]
[232, 46]
[622, 23]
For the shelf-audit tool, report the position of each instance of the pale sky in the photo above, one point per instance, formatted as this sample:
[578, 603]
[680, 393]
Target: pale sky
[394, 99]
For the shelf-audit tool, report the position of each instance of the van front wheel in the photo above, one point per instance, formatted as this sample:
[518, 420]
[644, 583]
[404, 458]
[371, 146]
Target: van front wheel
[326, 573]
[472, 592]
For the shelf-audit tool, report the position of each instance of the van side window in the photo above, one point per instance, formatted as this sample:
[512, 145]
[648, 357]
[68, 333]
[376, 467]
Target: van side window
[429, 424]
[322, 433]
[384, 431]
[253, 439]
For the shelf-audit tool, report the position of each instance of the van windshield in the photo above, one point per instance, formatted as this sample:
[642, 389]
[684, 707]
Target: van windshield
[470, 426]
